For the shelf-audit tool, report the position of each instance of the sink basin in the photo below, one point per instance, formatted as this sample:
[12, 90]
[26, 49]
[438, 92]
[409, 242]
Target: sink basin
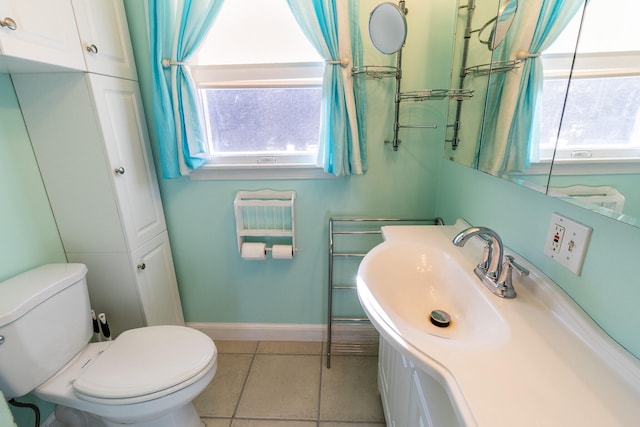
[406, 280]
[535, 360]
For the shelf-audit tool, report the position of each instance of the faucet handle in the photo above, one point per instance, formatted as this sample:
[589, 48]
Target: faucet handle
[487, 253]
[504, 283]
[510, 262]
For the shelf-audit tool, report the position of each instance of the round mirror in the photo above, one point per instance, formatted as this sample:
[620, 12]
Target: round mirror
[387, 28]
[501, 24]
[506, 14]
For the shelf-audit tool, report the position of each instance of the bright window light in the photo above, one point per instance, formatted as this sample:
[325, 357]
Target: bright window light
[602, 115]
[260, 84]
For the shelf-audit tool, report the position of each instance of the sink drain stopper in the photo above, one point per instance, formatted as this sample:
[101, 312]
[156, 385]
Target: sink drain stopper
[440, 318]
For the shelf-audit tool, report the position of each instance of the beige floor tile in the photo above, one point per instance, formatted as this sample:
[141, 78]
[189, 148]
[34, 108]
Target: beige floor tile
[273, 423]
[221, 397]
[350, 390]
[282, 387]
[243, 347]
[287, 347]
[217, 422]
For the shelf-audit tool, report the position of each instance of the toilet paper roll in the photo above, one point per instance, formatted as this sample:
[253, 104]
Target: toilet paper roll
[282, 251]
[253, 251]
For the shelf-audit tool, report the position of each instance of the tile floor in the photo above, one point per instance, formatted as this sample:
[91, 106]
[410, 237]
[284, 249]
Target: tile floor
[287, 384]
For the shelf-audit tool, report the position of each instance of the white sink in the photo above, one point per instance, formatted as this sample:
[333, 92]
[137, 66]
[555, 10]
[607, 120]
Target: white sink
[536, 360]
[407, 279]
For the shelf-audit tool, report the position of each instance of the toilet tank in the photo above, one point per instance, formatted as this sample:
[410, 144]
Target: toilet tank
[45, 319]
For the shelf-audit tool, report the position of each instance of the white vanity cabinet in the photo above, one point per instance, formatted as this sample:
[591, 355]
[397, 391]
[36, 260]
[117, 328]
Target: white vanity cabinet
[394, 376]
[90, 139]
[104, 37]
[410, 396]
[40, 31]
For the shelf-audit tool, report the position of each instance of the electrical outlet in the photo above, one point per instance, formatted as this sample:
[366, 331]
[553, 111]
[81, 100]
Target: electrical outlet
[567, 242]
[558, 236]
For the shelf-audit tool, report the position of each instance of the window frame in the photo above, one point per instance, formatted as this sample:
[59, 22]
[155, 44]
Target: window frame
[591, 65]
[271, 75]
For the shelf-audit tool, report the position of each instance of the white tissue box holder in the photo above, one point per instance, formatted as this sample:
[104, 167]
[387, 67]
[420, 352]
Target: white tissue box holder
[265, 213]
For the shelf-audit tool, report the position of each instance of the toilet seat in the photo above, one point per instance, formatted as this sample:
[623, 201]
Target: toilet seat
[146, 363]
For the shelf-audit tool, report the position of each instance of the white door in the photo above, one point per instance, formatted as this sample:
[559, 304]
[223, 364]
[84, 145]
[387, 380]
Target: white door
[43, 31]
[126, 141]
[104, 36]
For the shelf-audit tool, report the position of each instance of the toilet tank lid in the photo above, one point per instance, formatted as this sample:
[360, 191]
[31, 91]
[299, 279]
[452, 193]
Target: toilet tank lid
[21, 293]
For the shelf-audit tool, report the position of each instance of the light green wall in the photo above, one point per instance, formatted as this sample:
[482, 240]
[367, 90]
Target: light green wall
[215, 284]
[28, 230]
[609, 287]
[29, 236]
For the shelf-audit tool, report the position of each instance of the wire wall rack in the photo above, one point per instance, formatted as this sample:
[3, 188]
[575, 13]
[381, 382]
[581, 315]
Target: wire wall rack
[348, 329]
[493, 67]
[425, 95]
[375, 71]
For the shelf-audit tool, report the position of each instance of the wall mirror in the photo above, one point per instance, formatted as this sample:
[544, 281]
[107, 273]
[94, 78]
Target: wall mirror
[387, 28]
[556, 105]
[499, 25]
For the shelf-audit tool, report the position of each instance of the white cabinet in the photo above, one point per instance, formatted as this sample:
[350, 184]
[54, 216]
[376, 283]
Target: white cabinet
[410, 396]
[50, 35]
[40, 31]
[156, 281]
[90, 139]
[394, 375]
[123, 129]
[104, 36]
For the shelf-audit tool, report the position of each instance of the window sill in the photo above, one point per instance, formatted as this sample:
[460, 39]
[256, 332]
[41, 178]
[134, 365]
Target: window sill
[252, 172]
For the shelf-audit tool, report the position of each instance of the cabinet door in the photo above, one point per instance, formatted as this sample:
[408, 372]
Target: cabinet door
[157, 284]
[66, 138]
[393, 377]
[124, 130]
[104, 36]
[45, 31]
[418, 414]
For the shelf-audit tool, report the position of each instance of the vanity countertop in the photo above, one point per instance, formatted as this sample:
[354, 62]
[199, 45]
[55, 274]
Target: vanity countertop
[538, 360]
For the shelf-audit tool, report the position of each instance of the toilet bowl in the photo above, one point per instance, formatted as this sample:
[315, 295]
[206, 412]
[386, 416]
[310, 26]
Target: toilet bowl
[146, 377]
[138, 379]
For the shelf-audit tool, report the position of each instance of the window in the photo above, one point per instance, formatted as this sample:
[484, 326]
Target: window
[260, 85]
[601, 119]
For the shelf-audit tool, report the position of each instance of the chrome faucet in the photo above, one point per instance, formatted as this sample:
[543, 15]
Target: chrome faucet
[491, 271]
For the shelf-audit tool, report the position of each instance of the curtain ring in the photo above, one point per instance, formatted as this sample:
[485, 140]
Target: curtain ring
[167, 63]
[344, 62]
[523, 54]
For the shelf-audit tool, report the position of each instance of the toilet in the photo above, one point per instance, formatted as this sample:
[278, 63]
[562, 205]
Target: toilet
[145, 377]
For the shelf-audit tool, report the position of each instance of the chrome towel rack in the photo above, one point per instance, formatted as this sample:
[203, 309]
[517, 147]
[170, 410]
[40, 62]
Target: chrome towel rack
[351, 239]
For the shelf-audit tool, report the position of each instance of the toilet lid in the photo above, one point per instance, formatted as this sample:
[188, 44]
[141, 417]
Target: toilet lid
[145, 361]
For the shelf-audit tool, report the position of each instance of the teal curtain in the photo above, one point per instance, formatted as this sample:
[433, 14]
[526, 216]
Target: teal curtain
[512, 110]
[328, 25]
[176, 29]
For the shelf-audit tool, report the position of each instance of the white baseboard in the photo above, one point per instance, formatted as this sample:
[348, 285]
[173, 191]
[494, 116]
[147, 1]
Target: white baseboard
[262, 331]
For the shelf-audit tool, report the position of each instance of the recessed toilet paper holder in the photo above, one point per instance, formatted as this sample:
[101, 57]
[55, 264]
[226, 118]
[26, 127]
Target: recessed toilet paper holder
[264, 215]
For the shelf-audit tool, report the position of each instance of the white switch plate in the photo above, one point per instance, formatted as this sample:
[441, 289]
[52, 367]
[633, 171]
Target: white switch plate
[567, 242]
